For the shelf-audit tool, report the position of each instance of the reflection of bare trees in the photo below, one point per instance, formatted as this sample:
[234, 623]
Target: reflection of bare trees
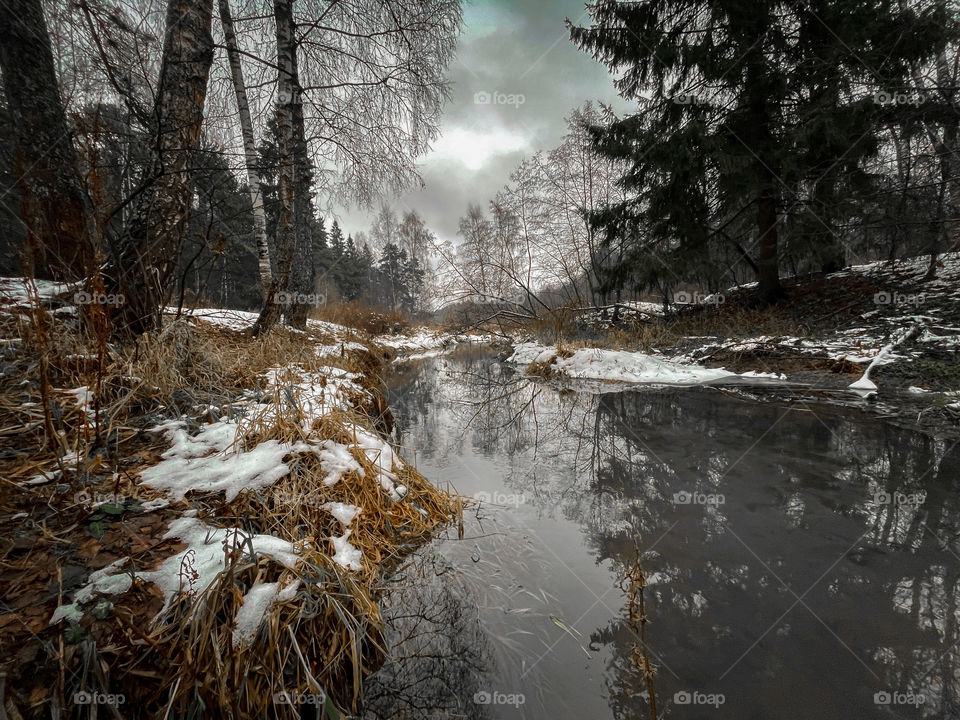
[831, 569]
[438, 653]
[805, 496]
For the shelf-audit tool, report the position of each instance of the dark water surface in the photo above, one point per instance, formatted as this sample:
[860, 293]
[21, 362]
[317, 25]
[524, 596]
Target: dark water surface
[802, 560]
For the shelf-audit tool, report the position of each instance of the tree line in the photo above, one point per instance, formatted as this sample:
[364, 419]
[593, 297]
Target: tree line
[769, 138]
[158, 153]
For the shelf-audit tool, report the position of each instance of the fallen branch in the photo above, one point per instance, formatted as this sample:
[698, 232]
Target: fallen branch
[865, 384]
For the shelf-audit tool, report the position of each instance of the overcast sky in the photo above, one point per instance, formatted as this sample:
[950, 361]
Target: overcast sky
[508, 48]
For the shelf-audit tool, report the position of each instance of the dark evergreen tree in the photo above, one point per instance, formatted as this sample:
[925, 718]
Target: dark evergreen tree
[355, 273]
[758, 110]
[398, 279]
[219, 251]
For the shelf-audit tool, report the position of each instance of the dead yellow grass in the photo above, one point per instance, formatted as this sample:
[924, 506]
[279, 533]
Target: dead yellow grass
[326, 638]
[357, 315]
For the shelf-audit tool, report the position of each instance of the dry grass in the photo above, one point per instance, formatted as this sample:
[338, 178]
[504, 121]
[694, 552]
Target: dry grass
[669, 332]
[324, 640]
[358, 315]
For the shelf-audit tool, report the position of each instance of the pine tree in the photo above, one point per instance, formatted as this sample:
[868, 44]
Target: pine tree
[354, 276]
[390, 270]
[336, 240]
[758, 109]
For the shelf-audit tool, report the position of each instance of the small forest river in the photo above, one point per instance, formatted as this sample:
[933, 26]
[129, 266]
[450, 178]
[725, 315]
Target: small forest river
[801, 557]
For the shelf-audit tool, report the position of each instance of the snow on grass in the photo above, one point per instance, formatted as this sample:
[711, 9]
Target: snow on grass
[211, 461]
[616, 366]
[230, 319]
[102, 581]
[420, 340]
[315, 395]
[425, 343]
[346, 556]
[14, 290]
[231, 471]
[336, 460]
[382, 455]
[192, 570]
[256, 604]
[344, 512]
[195, 568]
[83, 396]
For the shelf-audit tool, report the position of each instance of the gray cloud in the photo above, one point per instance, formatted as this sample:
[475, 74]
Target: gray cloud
[519, 48]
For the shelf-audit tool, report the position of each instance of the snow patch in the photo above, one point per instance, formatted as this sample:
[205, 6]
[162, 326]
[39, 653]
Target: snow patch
[256, 604]
[344, 512]
[616, 366]
[346, 556]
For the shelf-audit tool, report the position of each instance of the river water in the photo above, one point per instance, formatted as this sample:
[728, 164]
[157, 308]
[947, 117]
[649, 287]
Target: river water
[801, 558]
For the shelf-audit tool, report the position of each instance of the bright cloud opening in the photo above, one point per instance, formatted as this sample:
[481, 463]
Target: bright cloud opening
[473, 148]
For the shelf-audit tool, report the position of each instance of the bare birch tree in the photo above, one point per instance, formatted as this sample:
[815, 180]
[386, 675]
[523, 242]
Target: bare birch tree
[249, 145]
[286, 236]
[149, 250]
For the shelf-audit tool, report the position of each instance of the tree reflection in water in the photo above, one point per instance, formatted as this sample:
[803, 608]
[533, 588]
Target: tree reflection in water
[806, 590]
[438, 653]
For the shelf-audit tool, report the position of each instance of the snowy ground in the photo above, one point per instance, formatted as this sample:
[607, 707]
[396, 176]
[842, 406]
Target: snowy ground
[211, 458]
[928, 305]
[417, 344]
[847, 318]
[623, 367]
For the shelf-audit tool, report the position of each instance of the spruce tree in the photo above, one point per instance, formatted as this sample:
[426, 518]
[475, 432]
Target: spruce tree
[750, 110]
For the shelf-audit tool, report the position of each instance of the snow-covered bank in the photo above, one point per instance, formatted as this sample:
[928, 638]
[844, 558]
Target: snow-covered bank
[826, 332]
[855, 314]
[415, 344]
[618, 366]
[217, 460]
[422, 343]
[250, 490]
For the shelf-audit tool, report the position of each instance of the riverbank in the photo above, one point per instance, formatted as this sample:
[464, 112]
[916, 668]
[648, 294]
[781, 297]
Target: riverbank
[824, 334]
[203, 520]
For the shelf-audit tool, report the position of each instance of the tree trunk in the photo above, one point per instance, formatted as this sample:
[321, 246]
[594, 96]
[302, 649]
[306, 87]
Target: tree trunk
[150, 248]
[831, 254]
[286, 240]
[249, 147]
[54, 204]
[303, 273]
[769, 288]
